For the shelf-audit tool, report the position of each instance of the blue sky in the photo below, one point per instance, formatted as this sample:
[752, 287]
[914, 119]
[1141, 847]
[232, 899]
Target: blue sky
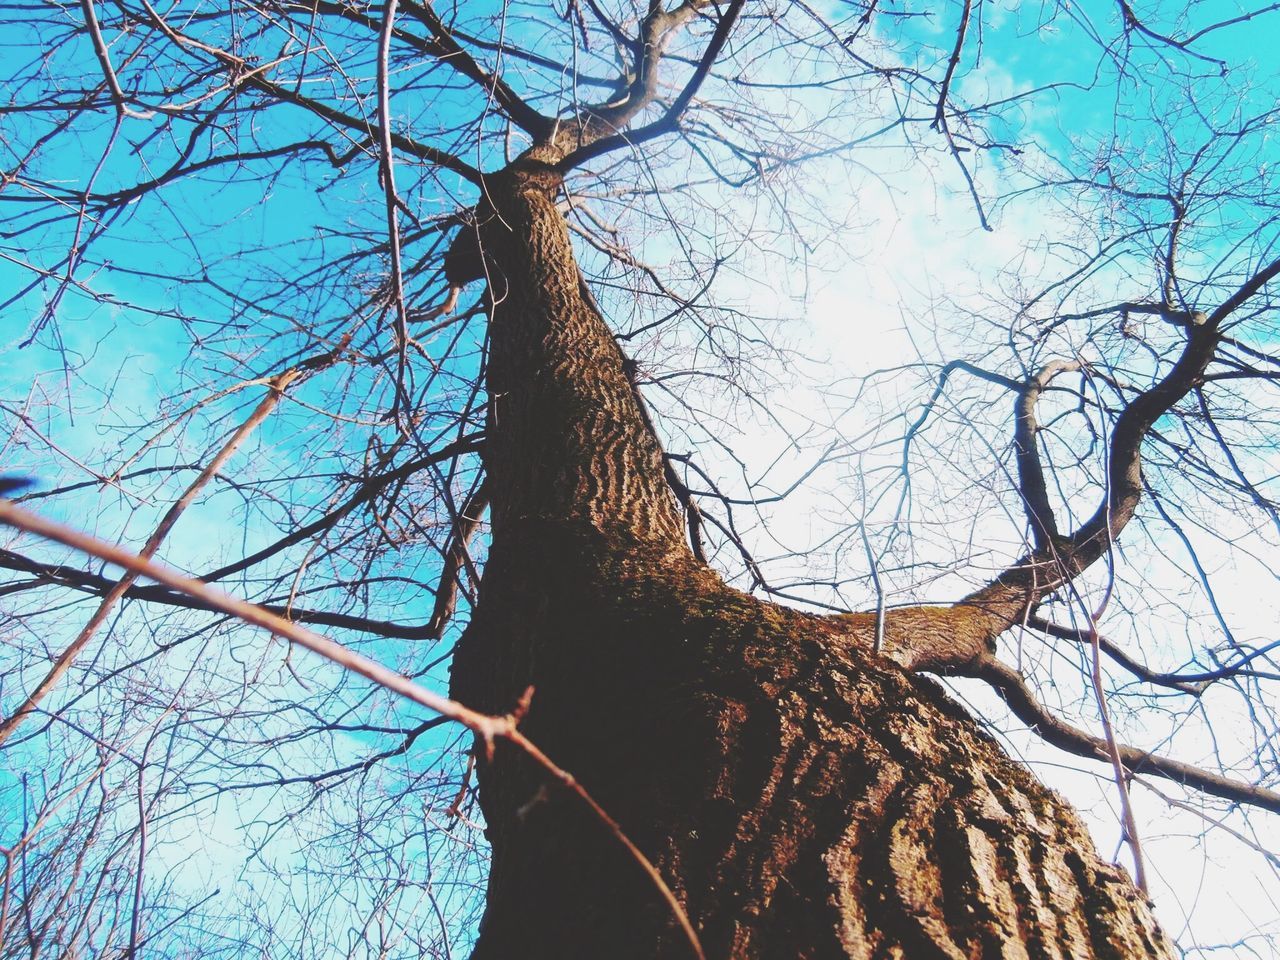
[917, 239]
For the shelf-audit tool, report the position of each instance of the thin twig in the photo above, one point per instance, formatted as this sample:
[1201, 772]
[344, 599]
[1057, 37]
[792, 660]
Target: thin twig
[486, 727]
[1128, 822]
[386, 173]
[73, 651]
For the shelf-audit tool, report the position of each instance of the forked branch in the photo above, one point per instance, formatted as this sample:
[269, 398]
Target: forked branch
[657, 31]
[1057, 560]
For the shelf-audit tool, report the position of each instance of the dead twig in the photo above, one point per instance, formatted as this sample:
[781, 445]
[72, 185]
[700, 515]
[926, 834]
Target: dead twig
[487, 728]
[68, 656]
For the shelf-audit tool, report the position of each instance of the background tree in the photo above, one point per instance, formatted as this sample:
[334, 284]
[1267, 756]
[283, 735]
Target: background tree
[410, 264]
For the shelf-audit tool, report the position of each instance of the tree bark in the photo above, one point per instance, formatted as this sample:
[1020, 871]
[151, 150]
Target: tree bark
[801, 795]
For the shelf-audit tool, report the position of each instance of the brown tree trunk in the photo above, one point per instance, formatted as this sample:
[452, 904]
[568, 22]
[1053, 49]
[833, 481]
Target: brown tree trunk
[802, 796]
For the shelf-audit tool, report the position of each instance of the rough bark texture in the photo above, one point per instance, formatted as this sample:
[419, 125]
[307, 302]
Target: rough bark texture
[802, 796]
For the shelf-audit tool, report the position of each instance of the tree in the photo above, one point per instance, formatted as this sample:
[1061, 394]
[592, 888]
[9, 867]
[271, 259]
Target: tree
[797, 784]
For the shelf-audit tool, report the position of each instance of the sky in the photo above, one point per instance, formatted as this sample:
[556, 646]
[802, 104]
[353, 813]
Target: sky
[869, 302]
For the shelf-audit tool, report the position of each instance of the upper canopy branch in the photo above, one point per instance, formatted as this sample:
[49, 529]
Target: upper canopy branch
[444, 46]
[1035, 495]
[247, 73]
[1057, 560]
[600, 129]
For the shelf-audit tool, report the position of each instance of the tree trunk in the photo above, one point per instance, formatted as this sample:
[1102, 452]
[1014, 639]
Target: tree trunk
[802, 796]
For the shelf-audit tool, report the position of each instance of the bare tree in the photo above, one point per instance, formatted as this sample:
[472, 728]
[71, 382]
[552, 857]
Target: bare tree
[452, 326]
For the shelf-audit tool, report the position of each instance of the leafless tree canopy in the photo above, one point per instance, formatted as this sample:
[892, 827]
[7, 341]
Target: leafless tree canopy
[251, 298]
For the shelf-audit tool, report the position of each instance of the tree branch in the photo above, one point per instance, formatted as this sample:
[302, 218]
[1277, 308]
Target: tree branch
[644, 89]
[1014, 691]
[449, 51]
[1007, 599]
[1031, 482]
[275, 391]
[487, 728]
[456, 558]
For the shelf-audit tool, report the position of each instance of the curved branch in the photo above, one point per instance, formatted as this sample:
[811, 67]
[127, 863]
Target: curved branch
[183, 169]
[366, 492]
[97, 585]
[644, 88]
[1193, 684]
[1008, 598]
[940, 114]
[1035, 494]
[1008, 683]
